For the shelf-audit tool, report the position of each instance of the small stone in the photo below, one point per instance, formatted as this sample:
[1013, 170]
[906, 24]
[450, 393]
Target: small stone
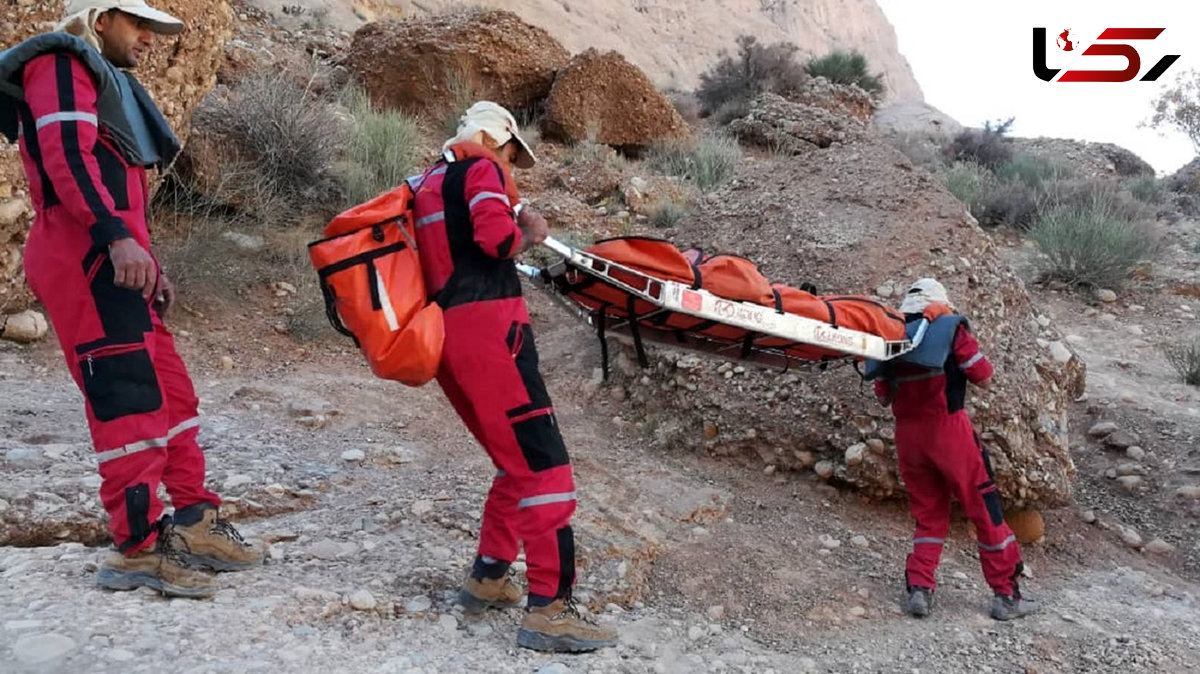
[1130, 483]
[362, 600]
[24, 456]
[860, 542]
[858, 611]
[824, 469]
[554, 668]
[1111, 473]
[877, 446]
[885, 291]
[1160, 547]
[1131, 538]
[1102, 429]
[710, 431]
[716, 612]
[829, 542]
[1060, 352]
[959, 575]
[696, 632]
[238, 481]
[419, 604]
[854, 454]
[354, 455]
[422, 507]
[1190, 492]
[1105, 295]
[23, 328]
[226, 363]
[1088, 516]
[448, 623]
[1136, 453]
[245, 241]
[1028, 525]
[325, 549]
[480, 630]
[37, 649]
[1121, 440]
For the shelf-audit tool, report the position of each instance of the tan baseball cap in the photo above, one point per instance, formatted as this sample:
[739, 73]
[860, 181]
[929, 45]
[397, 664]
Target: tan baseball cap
[160, 21]
[497, 122]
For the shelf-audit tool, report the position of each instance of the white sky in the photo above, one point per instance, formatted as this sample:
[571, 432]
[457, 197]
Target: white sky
[974, 61]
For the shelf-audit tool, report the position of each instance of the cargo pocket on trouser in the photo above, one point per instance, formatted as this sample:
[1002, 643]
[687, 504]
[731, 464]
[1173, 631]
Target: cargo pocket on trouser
[534, 424]
[120, 381]
[124, 314]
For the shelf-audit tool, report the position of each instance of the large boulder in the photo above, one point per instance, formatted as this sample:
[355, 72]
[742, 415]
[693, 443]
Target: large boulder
[178, 72]
[427, 64]
[791, 127]
[603, 98]
[860, 219]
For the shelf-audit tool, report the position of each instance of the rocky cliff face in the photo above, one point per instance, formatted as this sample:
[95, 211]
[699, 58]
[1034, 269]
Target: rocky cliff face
[178, 73]
[672, 40]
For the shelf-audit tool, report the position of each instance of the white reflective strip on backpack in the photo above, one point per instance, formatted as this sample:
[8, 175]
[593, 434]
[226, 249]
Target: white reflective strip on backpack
[389, 313]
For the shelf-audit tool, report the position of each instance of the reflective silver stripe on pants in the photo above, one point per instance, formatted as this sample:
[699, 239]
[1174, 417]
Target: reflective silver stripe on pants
[978, 357]
[484, 196]
[143, 445]
[929, 541]
[545, 499]
[997, 548]
[430, 219]
[53, 117]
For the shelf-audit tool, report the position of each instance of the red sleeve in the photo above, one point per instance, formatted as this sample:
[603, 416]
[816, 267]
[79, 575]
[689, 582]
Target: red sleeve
[970, 359]
[61, 94]
[496, 232]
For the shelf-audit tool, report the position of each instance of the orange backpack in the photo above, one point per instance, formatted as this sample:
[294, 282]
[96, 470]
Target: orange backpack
[370, 274]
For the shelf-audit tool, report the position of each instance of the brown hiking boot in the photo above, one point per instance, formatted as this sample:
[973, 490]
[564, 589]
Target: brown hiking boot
[213, 543]
[561, 628]
[160, 567]
[479, 594]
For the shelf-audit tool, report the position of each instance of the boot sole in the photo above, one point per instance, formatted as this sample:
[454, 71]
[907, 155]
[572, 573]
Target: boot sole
[124, 581]
[219, 565]
[561, 644]
[473, 604]
[1006, 618]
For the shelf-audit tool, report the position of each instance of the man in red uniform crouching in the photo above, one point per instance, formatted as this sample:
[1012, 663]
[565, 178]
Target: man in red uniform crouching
[468, 231]
[87, 132]
[939, 453]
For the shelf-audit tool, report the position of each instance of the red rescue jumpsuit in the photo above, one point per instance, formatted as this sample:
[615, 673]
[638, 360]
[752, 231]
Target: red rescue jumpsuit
[940, 457]
[467, 236]
[140, 403]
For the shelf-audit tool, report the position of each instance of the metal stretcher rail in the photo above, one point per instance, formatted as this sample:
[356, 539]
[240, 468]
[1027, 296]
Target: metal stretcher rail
[668, 296]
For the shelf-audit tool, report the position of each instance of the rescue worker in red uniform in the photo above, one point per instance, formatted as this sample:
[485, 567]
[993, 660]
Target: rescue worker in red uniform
[87, 132]
[468, 232]
[939, 454]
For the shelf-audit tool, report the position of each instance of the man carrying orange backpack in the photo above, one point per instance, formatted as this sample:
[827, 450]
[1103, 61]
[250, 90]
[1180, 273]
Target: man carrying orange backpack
[468, 232]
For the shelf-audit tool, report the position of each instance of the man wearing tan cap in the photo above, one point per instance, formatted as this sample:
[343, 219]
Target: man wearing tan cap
[470, 225]
[87, 132]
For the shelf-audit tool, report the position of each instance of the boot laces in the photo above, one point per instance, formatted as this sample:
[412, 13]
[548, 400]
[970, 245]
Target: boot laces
[169, 548]
[223, 527]
[571, 610]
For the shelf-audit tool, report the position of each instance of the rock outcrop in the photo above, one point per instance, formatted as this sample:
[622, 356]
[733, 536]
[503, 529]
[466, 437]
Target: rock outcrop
[604, 98]
[429, 64]
[178, 72]
[790, 127]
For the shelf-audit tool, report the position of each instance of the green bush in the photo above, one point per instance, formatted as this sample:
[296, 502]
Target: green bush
[846, 67]
[667, 214]
[709, 161]
[1147, 189]
[987, 146]
[1085, 194]
[1010, 203]
[971, 183]
[1031, 170]
[1185, 358]
[1092, 244]
[383, 148]
[755, 69]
